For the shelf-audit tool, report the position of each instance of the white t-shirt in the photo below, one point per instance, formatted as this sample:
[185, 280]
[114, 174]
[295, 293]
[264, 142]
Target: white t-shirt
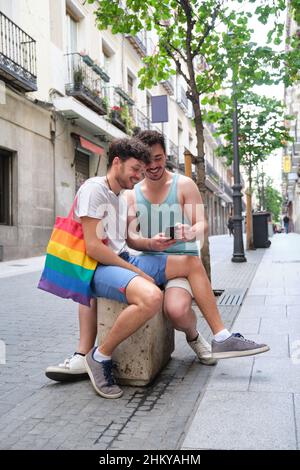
[96, 200]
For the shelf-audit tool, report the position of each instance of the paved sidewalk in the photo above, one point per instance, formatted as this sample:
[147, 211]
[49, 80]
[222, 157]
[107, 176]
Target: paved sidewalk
[254, 402]
[40, 329]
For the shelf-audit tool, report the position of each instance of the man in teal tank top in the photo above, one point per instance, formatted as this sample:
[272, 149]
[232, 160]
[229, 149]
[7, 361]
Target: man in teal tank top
[160, 200]
[160, 197]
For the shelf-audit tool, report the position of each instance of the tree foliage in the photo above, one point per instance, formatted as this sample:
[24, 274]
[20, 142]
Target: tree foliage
[262, 129]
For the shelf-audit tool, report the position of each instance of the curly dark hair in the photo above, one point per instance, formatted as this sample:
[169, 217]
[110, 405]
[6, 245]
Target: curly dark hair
[151, 138]
[128, 148]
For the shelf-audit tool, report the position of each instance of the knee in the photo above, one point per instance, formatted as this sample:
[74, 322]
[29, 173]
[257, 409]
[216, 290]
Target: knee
[152, 301]
[177, 310]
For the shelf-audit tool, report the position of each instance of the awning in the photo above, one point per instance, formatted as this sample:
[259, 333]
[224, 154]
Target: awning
[86, 144]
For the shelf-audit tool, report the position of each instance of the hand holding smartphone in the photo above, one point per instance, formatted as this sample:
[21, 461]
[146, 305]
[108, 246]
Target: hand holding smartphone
[170, 232]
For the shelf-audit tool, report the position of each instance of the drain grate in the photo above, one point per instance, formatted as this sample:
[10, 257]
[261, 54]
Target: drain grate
[232, 297]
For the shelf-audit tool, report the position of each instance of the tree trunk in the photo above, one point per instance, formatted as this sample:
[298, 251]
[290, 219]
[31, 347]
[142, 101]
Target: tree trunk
[200, 180]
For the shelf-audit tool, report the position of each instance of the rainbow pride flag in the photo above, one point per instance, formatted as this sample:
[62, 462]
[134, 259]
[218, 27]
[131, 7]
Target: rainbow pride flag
[68, 270]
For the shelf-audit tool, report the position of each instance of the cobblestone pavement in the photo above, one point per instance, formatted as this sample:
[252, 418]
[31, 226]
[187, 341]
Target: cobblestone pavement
[39, 329]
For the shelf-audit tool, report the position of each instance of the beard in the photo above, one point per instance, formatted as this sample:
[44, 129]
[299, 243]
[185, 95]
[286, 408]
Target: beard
[127, 183]
[157, 176]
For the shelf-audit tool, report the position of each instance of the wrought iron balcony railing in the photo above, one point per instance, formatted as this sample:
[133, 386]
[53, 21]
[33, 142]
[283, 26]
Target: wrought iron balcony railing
[169, 85]
[212, 172]
[139, 43]
[173, 154]
[17, 56]
[85, 84]
[182, 99]
[142, 121]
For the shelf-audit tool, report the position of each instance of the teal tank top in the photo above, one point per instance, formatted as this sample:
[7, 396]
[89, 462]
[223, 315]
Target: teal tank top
[155, 218]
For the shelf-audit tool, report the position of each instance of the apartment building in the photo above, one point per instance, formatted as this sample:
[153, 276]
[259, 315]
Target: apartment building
[291, 155]
[66, 90]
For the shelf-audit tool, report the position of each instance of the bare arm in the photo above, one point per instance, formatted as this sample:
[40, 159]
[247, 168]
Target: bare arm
[194, 209]
[96, 249]
[134, 238]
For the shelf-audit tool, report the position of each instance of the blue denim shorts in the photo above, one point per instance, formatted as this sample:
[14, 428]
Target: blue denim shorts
[111, 281]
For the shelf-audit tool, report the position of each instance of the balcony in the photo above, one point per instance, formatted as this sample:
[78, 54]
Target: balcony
[169, 85]
[228, 190]
[84, 84]
[142, 121]
[173, 155]
[17, 56]
[121, 113]
[139, 43]
[182, 99]
[117, 118]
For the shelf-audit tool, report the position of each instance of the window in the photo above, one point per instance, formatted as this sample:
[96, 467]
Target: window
[106, 61]
[5, 187]
[108, 54]
[72, 33]
[130, 84]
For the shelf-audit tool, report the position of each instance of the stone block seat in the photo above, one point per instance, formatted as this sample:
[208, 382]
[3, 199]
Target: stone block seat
[143, 355]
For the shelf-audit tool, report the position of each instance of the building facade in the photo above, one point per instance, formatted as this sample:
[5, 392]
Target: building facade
[291, 155]
[66, 91]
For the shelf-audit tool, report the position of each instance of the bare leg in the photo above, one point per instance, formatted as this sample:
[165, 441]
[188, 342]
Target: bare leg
[192, 268]
[177, 306]
[145, 301]
[87, 327]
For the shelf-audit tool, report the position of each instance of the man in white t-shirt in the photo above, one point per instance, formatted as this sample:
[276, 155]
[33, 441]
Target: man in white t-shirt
[132, 279]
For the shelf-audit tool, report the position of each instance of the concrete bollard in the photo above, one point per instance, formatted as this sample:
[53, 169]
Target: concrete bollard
[144, 354]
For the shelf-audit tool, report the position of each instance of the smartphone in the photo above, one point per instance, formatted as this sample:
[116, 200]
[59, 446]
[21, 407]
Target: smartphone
[170, 232]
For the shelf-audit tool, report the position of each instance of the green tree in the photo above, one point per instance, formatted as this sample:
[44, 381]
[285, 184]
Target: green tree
[262, 129]
[193, 41]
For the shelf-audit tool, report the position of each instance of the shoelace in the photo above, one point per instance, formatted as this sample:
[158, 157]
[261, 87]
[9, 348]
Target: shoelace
[238, 335]
[108, 367]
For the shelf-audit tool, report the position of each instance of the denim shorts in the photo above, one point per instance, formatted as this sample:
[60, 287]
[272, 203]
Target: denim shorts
[111, 281]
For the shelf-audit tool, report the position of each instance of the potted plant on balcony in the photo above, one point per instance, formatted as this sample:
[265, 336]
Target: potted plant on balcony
[78, 77]
[127, 119]
[116, 117]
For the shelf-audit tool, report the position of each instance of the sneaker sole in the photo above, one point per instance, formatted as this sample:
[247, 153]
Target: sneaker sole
[65, 376]
[249, 352]
[102, 394]
[208, 362]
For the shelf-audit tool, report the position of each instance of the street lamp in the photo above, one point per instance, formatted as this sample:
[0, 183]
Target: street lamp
[238, 243]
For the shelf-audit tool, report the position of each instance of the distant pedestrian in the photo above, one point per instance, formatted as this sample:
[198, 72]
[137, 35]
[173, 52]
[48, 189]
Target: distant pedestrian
[230, 225]
[286, 221]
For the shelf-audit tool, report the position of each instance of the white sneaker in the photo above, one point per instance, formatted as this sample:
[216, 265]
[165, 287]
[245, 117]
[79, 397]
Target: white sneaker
[72, 369]
[203, 350]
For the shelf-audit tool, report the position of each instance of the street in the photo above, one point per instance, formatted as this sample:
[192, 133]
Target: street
[188, 401]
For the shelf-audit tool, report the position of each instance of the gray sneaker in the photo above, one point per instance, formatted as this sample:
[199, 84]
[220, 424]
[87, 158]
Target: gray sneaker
[101, 376]
[236, 346]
